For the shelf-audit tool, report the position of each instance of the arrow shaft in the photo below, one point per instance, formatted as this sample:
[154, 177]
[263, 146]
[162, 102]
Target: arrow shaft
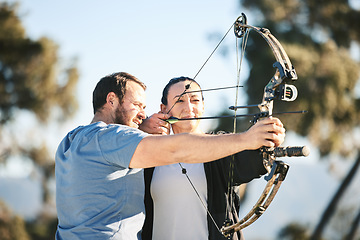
[172, 120]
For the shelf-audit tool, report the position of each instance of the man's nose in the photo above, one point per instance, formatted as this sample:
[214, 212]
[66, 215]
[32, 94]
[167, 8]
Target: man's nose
[142, 114]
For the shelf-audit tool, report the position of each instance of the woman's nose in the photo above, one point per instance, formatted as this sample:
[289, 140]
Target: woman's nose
[188, 106]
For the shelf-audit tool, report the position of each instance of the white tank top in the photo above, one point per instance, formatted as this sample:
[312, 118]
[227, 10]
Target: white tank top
[178, 212]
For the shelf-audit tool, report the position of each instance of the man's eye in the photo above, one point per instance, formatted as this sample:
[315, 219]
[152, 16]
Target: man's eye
[138, 106]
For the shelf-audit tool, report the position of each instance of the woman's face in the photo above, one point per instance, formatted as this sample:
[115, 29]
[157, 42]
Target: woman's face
[189, 105]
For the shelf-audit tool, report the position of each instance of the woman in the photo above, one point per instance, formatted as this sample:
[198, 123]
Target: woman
[173, 208]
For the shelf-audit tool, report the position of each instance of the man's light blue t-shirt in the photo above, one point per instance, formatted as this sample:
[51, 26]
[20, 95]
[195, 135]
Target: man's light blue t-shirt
[97, 195]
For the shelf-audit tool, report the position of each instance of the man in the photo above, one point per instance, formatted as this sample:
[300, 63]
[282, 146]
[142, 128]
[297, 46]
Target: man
[99, 175]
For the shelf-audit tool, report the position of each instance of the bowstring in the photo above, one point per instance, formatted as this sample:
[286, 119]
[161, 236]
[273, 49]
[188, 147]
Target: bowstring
[184, 92]
[239, 60]
[198, 195]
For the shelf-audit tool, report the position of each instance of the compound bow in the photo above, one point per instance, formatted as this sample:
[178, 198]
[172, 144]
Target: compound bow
[277, 88]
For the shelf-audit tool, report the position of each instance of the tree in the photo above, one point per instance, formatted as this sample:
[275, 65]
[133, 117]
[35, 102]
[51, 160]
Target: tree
[32, 81]
[318, 37]
[327, 73]
[294, 232]
[11, 227]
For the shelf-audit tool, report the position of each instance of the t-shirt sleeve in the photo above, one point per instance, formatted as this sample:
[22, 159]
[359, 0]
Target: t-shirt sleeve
[118, 143]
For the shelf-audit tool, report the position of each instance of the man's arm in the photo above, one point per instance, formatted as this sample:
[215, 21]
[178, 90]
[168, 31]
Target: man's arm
[156, 150]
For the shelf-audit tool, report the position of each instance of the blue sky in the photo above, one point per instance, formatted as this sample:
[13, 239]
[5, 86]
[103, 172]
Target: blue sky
[153, 40]
[158, 40]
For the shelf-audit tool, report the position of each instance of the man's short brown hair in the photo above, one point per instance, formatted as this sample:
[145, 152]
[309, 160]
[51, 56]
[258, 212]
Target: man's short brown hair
[116, 83]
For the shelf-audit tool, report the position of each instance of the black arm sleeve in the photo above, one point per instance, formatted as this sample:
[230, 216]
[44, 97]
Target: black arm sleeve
[146, 233]
[247, 166]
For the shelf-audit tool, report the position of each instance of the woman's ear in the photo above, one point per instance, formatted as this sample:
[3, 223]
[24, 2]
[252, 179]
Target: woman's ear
[163, 108]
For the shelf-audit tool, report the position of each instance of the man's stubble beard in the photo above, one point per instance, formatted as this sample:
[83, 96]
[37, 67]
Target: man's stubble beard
[121, 117]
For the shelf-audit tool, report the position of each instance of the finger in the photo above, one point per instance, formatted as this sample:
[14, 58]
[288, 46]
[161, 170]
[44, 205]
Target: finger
[162, 123]
[269, 143]
[277, 121]
[274, 128]
[163, 116]
[165, 131]
[277, 139]
[272, 120]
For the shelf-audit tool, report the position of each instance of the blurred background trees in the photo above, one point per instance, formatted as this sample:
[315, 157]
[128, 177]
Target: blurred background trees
[319, 37]
[34, 82]
[38, 88]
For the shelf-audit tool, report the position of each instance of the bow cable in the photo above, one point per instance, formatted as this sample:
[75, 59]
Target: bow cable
[217, 46]
[185, 92]
[212, 53]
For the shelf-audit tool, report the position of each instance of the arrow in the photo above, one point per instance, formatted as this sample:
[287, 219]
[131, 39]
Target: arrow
[172, 120]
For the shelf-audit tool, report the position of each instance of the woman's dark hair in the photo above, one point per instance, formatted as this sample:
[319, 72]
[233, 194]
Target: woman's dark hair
[116, 83]
[172, 82]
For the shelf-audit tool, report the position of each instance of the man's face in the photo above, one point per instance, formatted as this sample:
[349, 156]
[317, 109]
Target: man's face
[190, 105]
[131, 111]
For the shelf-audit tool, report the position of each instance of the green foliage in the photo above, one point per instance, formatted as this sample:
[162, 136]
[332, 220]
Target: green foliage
[316, 35]
[338, 18]
[32, 80]
[29, 72]
[293, 231]
[43, 228]
[11, 227]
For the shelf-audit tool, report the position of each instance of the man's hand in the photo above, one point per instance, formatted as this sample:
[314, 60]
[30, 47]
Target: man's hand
[268, 132]
[155, 124]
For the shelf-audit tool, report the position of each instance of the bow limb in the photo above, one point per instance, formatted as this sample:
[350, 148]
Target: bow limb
[275, 179]
[285, 71]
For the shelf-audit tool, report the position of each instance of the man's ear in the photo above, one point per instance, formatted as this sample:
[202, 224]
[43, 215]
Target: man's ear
[110, 98]
[163, 108]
